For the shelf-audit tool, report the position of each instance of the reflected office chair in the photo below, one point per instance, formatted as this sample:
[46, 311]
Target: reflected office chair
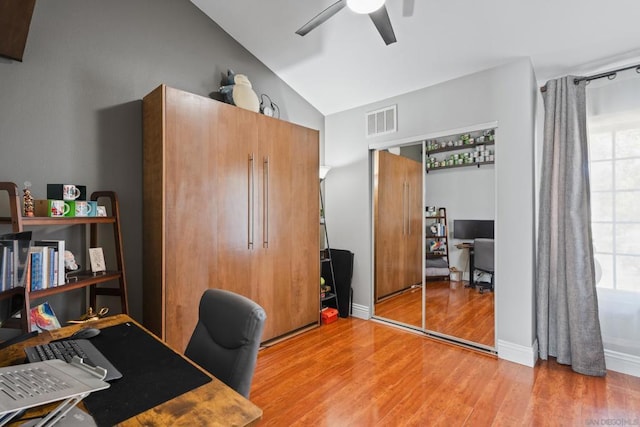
[484, 261]
[227, 337]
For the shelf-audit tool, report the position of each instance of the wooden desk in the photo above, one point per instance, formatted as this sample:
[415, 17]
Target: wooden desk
[469, 247]
[213, 404]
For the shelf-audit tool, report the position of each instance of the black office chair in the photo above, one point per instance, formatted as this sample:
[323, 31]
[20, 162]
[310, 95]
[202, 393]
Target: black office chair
[227, 337]
[484, 261]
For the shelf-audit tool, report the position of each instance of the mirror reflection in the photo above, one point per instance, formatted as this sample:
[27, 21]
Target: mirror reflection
[397, 210]
[434, 217]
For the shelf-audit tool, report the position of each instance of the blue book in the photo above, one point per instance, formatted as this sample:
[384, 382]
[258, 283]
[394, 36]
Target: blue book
[36, 268]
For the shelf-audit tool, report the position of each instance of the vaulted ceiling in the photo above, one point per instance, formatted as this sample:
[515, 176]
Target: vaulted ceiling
[344, 62]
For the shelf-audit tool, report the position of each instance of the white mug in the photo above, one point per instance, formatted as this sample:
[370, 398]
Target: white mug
[70, 192]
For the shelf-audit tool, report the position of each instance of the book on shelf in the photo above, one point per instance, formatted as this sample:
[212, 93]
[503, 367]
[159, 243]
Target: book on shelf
[35, 265]
[14, 256]
[45, 268]
[56, 268]
[37, 254]
[6, 256]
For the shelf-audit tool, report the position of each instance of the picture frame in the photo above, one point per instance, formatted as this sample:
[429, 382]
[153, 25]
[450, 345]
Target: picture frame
[96, 257]
[101, 211]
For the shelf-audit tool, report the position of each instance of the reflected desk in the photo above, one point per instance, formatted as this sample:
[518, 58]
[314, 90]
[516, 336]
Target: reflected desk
[211, 404]
[468, 247]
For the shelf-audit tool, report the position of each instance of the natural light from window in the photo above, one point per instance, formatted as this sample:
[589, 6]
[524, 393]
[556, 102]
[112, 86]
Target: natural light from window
[614, 146]
[613, 121]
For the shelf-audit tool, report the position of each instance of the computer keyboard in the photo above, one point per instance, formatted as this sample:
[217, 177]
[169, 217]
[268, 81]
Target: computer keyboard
[66, 349]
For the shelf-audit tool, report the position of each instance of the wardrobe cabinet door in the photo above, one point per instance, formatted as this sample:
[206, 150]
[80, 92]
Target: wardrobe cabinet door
[236, 177]
[390, 222]
[190, 208]
[415, 212]
[289, 212]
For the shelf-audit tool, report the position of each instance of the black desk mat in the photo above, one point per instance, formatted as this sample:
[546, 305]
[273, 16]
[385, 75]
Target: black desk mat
[151, 374]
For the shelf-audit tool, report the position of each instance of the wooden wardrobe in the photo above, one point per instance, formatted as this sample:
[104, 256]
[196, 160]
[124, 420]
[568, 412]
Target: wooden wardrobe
[397, 223]
[231, 201]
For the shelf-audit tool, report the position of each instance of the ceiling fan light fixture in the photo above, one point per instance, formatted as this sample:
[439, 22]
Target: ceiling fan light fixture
[364, 6]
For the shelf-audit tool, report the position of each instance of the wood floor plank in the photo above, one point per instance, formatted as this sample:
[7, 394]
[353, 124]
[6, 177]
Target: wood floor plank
[363, 373]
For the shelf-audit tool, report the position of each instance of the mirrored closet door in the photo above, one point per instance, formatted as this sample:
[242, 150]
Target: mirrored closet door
[397, 211]
[428, 274]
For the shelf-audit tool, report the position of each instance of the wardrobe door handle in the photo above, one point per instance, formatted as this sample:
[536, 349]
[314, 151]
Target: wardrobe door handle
[409, 210]
[265, 204]
[250, 206]
[404, 213]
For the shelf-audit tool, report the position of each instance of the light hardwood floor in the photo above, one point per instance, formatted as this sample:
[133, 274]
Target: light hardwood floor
[452, 309]
[362, 373]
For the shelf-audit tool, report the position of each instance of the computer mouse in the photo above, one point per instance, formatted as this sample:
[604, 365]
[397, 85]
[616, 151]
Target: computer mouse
[85, 333]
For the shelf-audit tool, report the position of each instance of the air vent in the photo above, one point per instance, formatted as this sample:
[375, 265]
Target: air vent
[382, 121]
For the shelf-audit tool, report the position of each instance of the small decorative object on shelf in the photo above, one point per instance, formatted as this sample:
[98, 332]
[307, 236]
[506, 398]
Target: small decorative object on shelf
[70, 262]
[237, 91]
[71, 268]
[269, 108]
[96, 257]
[43, 318]
[91, 315]
[28, 199]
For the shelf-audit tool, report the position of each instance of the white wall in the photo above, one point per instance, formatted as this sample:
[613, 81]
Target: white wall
[504, 94]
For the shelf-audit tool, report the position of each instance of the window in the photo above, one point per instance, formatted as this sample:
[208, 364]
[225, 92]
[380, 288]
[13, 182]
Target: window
[614, 153]
[614, 164]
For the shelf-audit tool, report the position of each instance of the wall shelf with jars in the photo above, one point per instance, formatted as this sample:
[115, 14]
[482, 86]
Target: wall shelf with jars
[468, 149]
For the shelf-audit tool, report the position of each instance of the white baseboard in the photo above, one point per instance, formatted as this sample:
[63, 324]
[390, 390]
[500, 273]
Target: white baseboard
[619, 362]
[622, 362]
[517, 353]
[360, 311]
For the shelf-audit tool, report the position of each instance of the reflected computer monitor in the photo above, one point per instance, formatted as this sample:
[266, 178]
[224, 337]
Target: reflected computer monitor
[469, 229]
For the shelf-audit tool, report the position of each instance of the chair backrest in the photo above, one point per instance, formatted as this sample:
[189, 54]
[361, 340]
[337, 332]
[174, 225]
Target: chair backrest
[227, 337]
[483, 254]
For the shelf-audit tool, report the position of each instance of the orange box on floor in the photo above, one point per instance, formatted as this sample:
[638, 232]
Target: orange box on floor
[329, 315]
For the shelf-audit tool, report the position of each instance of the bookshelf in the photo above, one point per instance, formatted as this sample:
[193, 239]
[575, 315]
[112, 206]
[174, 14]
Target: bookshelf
[82, 279]
[325, 257]
[437, 243]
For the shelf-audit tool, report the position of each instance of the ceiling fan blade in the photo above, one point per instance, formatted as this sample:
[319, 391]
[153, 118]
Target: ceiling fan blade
[382, 22]
[407, 7]
[321, 17]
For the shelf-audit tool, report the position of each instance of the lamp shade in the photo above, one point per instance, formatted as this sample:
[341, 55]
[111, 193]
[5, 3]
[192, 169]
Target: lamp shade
[324, 170]
[364, 6]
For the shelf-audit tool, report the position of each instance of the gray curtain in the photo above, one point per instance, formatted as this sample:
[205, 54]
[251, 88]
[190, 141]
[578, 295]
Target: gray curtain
[568, 327]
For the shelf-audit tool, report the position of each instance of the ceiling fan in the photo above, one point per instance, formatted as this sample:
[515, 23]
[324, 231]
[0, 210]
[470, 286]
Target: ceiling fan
[376, 10]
